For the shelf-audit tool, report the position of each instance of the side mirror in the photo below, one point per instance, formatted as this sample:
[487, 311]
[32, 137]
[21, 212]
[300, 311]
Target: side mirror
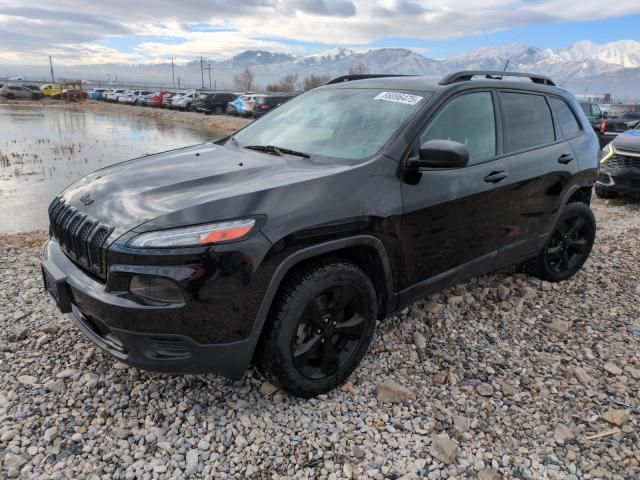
[605, 114]
[443, 154]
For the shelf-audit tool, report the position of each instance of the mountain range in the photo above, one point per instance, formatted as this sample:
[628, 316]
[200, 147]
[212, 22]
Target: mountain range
[584, 66]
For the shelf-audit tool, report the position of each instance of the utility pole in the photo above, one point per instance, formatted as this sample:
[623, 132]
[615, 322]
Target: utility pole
[209, 68]
[51, 67]
[173, 74]
[202, 70]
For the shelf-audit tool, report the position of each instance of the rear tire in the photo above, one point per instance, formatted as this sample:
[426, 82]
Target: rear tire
[568, 247]
[605, 193]
[10, 96]
[218, 110]
[319, 328]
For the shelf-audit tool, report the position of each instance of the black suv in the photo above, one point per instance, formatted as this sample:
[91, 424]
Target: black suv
[214, 102]
[282, 244]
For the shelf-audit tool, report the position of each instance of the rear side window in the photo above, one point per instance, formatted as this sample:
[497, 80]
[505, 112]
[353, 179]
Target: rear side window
[468, 119]
[566, 118]
[528, 120]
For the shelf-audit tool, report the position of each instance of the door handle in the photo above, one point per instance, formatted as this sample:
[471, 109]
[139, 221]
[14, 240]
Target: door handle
[495, 177]
[565, 158]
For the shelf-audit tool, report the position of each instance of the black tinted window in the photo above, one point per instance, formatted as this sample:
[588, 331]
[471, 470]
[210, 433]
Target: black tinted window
[528, 120]
[467, 119]
[567, 120]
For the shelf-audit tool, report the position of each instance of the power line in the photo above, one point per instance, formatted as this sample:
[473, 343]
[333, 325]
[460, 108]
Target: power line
[209, 68]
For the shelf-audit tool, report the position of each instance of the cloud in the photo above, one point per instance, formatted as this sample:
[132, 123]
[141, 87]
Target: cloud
[74, 29]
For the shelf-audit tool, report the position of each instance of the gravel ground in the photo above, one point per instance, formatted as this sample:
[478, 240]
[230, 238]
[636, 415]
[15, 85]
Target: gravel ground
[500, 377]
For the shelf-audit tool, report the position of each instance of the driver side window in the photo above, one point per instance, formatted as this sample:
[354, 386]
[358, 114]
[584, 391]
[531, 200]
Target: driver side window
[468, 119]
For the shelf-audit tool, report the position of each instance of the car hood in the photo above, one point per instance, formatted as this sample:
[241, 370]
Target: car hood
[629, 140]
[197, 184]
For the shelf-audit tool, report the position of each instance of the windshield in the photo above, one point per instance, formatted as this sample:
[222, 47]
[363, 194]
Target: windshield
[345, 123]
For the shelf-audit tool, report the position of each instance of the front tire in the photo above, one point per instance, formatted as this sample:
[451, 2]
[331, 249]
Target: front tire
[319, 328]
[568, 247]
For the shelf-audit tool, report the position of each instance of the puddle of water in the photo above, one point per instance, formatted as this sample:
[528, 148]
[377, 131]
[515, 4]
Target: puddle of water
[42, 150]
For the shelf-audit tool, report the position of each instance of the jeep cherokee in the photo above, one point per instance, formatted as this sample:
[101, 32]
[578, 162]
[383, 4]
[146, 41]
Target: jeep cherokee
[282, 244]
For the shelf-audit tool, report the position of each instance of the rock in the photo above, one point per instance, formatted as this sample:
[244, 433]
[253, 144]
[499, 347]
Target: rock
[359, 452]
[434, 307]
[528, 293]
[503, 292]
[634, 372]
[203, 445]
[616, 417]
[8, 435]
[50, 434]
[488, 474]
[562, 434]
[507, 389]
[120, 366]
[485, 389]
[191, 462]
[461, 424]
[440, 377]
[13, 461]
[240, 441]
[54, 385]
[444, 449]
[267, 389]
[419, 341]
[66, 373]
[560, 326]
[49, 328]
[76, 437]
[612, 368]
[392, 392]
[18, 315]
[582, 375]
[455, 300]
[27, 379]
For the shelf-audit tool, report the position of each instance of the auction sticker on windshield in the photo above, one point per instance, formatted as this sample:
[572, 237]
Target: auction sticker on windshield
[399, 98]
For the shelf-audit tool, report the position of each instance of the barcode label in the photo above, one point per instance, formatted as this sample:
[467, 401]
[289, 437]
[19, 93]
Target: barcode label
[399, 98]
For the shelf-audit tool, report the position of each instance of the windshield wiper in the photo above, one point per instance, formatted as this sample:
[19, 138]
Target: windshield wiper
[272, 149]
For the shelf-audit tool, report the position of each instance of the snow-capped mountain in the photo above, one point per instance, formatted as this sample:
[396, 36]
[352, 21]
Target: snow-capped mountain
[613, 67]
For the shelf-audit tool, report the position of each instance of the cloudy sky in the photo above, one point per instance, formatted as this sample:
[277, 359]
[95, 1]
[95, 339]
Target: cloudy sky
[75, 31]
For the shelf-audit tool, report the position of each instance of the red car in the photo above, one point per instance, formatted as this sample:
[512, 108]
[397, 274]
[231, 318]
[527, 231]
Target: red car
[156, 100]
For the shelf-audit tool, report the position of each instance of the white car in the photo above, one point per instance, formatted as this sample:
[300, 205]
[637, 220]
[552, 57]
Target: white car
[184, 100]
[113, 96]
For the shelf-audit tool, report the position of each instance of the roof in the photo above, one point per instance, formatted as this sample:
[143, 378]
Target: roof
[432, 85]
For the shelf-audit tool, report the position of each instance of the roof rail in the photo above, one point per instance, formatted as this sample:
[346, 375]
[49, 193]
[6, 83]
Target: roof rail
[351, 78]
[467, 75]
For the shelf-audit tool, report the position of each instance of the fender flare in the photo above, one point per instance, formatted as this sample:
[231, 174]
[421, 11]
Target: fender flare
[313, 251]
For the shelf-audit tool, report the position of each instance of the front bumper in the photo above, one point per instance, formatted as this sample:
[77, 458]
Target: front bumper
[165, 338]
[623, 180]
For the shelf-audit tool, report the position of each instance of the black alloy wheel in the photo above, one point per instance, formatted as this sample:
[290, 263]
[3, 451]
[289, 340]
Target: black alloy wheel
[329, 332]
[320, 326]
[569, 244]
[568, 247]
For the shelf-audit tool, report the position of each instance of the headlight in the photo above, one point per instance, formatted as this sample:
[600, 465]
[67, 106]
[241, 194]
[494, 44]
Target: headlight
[195, 236]
[607, 152]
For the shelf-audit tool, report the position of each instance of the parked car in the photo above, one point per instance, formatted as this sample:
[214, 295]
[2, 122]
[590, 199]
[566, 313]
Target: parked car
[146, 100]
[115, 94]
[96, 93]
[594, 114]
[71, 94]
[11, 92]
[620, 118]
[620, 166]
[167, 99]
[157, 98]
[266, 103]
[243, 105]
[49, 89]
[283, 244]
[183, 101]
[213, 102]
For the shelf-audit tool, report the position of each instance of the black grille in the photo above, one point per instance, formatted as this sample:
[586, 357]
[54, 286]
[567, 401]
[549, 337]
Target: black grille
[81, 238]
[623, 161]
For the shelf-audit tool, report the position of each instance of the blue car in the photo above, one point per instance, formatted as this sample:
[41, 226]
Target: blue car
[96, 93]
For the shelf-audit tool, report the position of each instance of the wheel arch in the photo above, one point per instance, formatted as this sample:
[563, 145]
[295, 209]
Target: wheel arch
[366, 251]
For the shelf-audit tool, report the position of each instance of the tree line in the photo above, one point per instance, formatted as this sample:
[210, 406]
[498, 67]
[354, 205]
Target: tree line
[245, 80]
